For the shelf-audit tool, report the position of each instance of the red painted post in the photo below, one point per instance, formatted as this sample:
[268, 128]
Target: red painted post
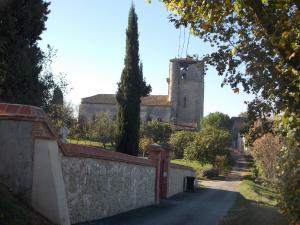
[161, 155]
[154, 153]
[165, 166]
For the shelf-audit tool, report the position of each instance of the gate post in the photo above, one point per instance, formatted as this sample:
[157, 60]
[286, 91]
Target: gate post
[165, 167]
[160, 154]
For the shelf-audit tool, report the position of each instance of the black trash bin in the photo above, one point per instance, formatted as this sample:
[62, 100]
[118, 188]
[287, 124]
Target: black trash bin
[190, 184]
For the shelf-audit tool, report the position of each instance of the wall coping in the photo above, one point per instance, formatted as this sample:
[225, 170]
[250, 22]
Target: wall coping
[178, 166]
[36, 114]
[23, 112]
[74, 150]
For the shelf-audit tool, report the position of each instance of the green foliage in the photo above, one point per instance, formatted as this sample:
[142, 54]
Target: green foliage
[180, 140]
[217, 120]
[261, 37]
[103, 129]
[58, 97]
[289, 174]
[265, 151]
[156, 131]
[130, 90]
[61, 115]
[79, 129]
[207, 145]
[200, 168]
[221, 163]
[144, 142]
[21, 60]
[258, 193]
[211, 173]
[257, 47]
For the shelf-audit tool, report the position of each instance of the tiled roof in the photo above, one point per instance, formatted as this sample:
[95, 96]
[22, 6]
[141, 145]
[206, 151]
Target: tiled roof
[111, 99]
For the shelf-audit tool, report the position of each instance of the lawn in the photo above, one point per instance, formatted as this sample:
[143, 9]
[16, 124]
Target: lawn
[197, 166]
[258, 193]
[90, 143]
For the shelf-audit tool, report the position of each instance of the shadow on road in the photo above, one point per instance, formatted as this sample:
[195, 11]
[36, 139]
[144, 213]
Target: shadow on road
[205, 206]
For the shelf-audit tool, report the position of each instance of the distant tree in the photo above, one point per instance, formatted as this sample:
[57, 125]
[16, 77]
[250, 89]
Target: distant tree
[58, 97]
[208, 144]
[103, 128]
[143, 143]
[61, 115]
[156, 131]
[21, 60]
[180, 140]
[217, 120]
[130, 90]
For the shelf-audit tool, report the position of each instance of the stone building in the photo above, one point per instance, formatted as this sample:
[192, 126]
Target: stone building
[182, 107]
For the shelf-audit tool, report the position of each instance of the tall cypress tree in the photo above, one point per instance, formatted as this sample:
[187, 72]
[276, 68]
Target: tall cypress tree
[130, 90]
[21, 60]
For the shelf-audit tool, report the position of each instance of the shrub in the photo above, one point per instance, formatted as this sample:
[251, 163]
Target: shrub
[200, 168]
[180, 140]
[221, 162]
[289, 180]
[266, 151]
[211, 173]
[103, 129]
[207, 144]
[61, 115]
[156, 131]
[144, 142]
[217, 120]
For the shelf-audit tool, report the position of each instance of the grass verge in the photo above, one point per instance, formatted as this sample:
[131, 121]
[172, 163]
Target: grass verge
[255, 205]
[90, 143]
[258, 193]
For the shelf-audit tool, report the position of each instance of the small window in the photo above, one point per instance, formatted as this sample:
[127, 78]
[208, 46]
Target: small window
[184, 102]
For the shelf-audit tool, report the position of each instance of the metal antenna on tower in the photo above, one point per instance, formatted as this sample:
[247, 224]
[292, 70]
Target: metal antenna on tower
[183, 43]
[179, 41]
[188, 42]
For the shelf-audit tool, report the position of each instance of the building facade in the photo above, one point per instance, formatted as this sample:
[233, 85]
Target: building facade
[182, 107]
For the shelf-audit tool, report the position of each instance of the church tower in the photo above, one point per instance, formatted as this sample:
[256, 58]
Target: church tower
[186, 90]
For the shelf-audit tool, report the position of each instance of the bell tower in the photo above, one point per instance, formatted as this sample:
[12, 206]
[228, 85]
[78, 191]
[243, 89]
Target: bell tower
[186, 90]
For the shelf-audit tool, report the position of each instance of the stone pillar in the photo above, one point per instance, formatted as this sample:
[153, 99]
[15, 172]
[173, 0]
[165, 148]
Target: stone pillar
[160, 154]
[164, 170]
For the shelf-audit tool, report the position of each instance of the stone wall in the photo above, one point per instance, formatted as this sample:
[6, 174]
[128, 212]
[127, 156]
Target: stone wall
[162, 113]
[98, 188]
[72, 183]
[186, 90]
[88, 111]
[177, 174]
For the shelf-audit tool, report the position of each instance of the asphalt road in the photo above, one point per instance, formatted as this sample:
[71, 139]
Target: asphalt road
[206, 206]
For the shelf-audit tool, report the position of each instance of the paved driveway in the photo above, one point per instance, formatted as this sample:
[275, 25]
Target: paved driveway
[206, 206]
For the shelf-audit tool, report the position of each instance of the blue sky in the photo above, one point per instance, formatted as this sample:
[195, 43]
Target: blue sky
[90, 39]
